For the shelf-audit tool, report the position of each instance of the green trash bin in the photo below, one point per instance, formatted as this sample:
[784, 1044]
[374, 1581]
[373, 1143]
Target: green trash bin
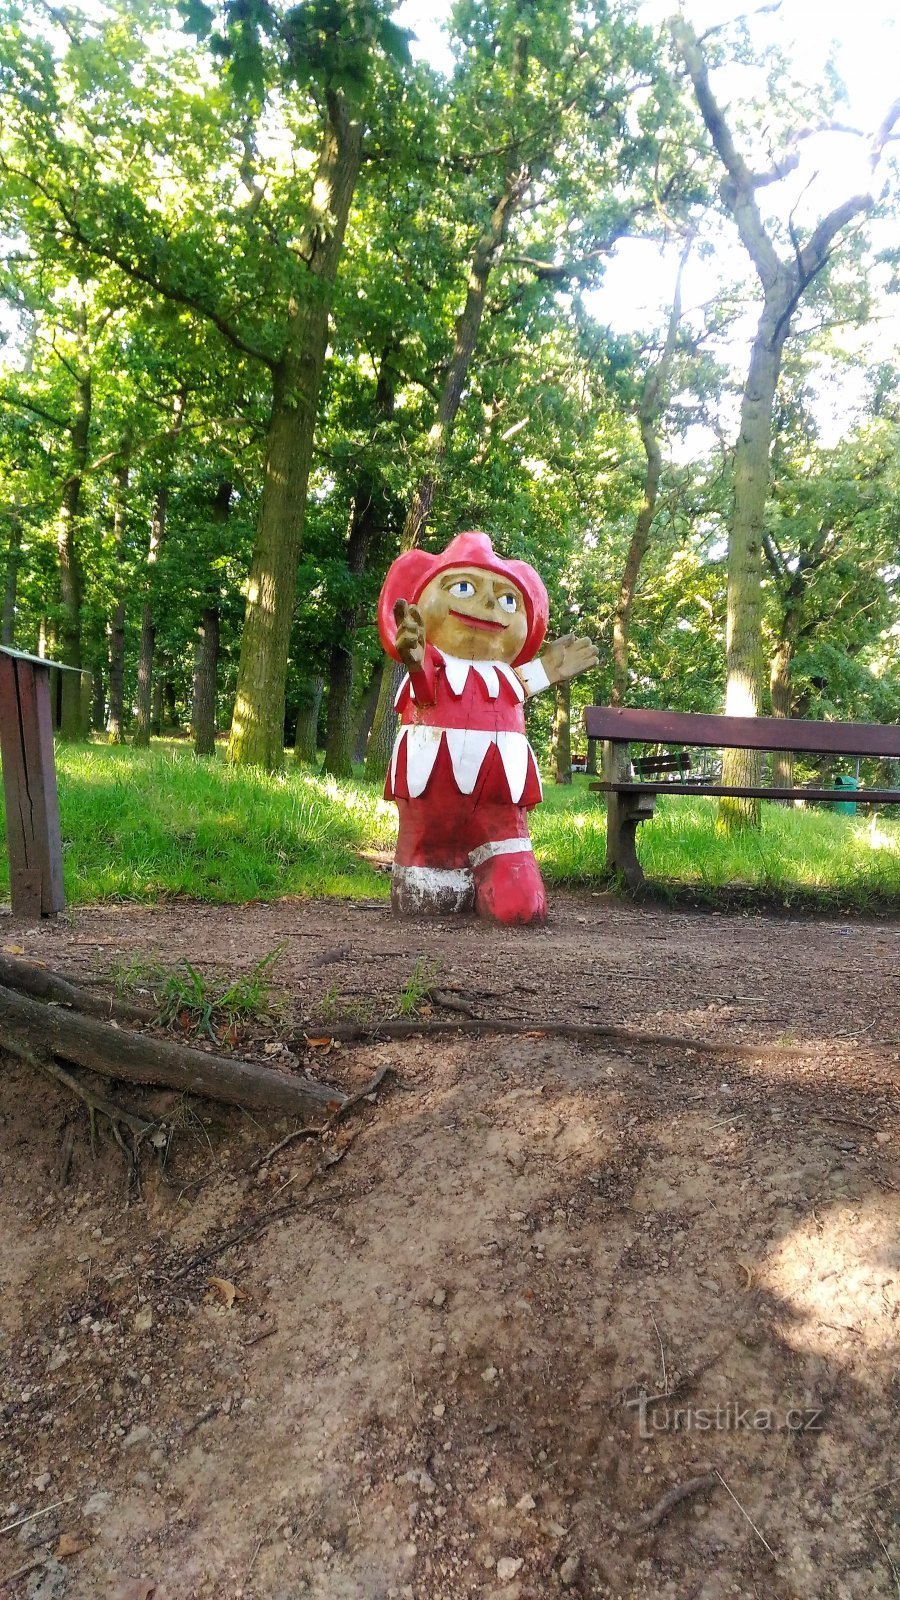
[846, 780]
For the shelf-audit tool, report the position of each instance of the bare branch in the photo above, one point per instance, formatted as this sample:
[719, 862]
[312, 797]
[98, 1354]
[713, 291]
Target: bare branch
[815, 252]
[885, 132]
[740, 178]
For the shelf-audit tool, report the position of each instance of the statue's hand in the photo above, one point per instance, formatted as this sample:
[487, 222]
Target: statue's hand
[410, 640]
[567, 657]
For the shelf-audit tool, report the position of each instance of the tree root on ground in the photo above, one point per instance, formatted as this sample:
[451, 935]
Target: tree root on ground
[128, 1128]
[588, 1032]
[118, 1052]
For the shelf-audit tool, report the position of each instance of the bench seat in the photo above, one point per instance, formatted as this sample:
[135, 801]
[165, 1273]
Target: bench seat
[871, 797]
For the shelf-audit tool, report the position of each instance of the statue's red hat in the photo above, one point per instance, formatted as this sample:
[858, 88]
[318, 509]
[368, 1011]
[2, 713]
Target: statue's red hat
[408, 575]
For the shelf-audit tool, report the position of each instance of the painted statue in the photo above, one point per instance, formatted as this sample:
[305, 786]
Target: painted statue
[467, 626]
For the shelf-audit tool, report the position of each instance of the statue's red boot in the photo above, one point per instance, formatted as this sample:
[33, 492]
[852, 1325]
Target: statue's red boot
[509, 888]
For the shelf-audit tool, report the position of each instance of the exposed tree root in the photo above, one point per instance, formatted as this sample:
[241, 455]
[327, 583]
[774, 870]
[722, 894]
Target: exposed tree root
[128, 1128]
[29, 977]
[594, 1033]
[674, 1497]
[117, 1052]
[316, 1133]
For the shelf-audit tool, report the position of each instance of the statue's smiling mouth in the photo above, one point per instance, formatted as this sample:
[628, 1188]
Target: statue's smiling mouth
[478, 622]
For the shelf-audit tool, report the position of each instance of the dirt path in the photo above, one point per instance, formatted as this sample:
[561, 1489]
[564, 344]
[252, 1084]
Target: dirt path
[427, 1381]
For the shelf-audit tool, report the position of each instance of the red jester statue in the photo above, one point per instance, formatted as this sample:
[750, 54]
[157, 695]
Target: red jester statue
[467, 626]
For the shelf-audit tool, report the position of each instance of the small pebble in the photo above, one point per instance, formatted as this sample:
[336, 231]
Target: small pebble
[507, 1567]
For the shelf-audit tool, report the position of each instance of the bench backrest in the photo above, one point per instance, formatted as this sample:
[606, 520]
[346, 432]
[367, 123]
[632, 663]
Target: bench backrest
[742, 733]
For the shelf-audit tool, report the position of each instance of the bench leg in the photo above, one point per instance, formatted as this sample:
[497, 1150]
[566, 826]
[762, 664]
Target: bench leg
[623, 814]
[623, 817]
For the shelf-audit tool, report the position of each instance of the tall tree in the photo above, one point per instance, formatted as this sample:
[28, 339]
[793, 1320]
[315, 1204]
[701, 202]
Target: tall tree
[260, 269]
[564, 176]
[784, 280]
[650, 407]
[144, 708]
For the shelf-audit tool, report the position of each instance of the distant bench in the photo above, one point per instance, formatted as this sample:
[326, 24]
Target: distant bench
[632, 799]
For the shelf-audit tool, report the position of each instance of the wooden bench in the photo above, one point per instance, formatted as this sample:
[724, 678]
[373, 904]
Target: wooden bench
[631, 800]
[29, 785]
[667, 761]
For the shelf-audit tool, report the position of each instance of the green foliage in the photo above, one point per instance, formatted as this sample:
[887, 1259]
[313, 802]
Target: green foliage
[417, 987]
[155, 192]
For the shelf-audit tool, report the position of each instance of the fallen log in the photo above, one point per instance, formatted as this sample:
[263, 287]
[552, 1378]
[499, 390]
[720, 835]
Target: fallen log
[115, 1052]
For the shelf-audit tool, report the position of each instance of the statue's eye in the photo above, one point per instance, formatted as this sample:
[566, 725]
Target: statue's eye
[463, 590]
[507, 601]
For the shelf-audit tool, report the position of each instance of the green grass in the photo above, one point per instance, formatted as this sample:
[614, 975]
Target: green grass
[158, 824]
[151, 824]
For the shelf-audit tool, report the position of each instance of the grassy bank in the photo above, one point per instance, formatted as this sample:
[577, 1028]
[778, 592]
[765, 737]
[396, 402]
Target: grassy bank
[142, 825]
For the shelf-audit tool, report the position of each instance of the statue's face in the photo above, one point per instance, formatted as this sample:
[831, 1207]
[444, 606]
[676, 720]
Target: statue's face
[473, 613]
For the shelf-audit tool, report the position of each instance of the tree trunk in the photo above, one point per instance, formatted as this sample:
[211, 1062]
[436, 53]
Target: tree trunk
[781, 690]
[144, 699]
[339, 727]
[156, 719]
[170, 705]
[98, 701]
[637, 549]
[384, 724]
[10, 591]
[784, 283]
[483, 259]
[562, 732]
[592, 762]
[206, 659]
[71, 574]
[365, 526]
[257, 729]
[147, 708]
[116, 712]
[467, 327]
[744, 650]
[203, 714]
[308, 704]
[366, 715]
[652, 404]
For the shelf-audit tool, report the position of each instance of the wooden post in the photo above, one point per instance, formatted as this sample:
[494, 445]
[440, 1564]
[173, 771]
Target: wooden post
[29, 787]
[624, 813]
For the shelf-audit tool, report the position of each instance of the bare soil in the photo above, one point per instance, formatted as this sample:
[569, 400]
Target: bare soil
[424, 1379]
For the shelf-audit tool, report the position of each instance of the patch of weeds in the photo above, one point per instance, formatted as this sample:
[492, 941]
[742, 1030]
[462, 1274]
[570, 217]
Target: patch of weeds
[417, 987]
[138, 976]
[334, 1007]
[192, 999]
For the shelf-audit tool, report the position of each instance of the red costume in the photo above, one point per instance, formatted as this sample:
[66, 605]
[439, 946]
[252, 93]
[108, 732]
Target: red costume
[462, 773]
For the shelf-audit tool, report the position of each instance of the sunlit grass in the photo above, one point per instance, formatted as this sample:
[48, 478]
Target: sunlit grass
[152, 824]
[813, 854]
[147, 824]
